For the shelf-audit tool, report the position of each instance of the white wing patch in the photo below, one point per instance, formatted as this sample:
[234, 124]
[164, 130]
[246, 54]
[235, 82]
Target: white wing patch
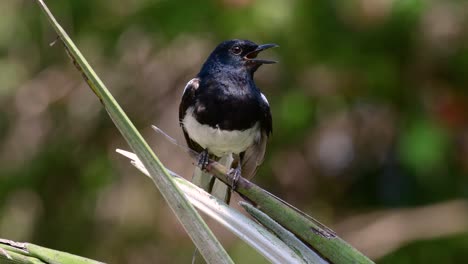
[195, 82]
[264, 98]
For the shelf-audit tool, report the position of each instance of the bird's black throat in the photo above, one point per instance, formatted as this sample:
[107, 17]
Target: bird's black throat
[229, 101]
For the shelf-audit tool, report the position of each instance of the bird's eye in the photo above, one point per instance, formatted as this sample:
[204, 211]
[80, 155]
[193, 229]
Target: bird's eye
[236, 50]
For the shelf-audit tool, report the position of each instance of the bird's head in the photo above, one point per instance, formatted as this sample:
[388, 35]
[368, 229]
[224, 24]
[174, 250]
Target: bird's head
[239, 54]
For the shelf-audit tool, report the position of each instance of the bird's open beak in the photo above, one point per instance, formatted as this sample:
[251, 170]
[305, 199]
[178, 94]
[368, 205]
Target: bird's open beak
[252, 56]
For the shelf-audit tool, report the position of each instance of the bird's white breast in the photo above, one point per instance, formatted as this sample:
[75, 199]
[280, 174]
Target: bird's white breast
[220, 142]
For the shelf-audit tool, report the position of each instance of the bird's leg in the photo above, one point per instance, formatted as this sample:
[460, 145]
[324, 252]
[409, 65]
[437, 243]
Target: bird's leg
[203, 159]
[235, 174]
[236, 170]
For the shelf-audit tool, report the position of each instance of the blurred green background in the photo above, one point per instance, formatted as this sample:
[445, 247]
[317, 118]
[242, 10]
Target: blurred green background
[370, 113]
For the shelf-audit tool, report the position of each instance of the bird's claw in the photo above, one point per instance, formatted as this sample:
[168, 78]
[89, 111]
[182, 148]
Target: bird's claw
[235, 174]
[203, 159]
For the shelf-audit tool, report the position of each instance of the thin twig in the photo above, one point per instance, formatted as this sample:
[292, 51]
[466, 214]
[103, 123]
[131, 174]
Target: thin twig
[51, 44]
[185, 148]
[212, 164]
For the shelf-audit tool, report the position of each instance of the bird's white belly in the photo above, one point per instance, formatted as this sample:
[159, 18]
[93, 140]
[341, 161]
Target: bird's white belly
[219, 142]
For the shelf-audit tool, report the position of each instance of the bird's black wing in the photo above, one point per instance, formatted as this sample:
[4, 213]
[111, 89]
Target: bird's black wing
[188, 99]
[255, 154]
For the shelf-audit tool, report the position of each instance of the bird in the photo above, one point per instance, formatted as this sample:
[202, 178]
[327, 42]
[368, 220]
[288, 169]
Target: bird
[224, 115]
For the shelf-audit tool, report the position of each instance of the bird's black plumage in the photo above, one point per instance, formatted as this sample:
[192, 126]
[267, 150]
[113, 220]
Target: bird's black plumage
[224, 97]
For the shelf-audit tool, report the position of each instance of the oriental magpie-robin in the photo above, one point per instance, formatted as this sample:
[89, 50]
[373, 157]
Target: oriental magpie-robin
[224, 114]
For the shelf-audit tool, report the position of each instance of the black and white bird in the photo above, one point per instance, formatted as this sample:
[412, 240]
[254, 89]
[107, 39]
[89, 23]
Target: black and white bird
[223, 113]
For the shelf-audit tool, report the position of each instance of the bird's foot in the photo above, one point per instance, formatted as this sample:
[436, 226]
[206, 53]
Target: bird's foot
[203, 159]
[235, 174]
